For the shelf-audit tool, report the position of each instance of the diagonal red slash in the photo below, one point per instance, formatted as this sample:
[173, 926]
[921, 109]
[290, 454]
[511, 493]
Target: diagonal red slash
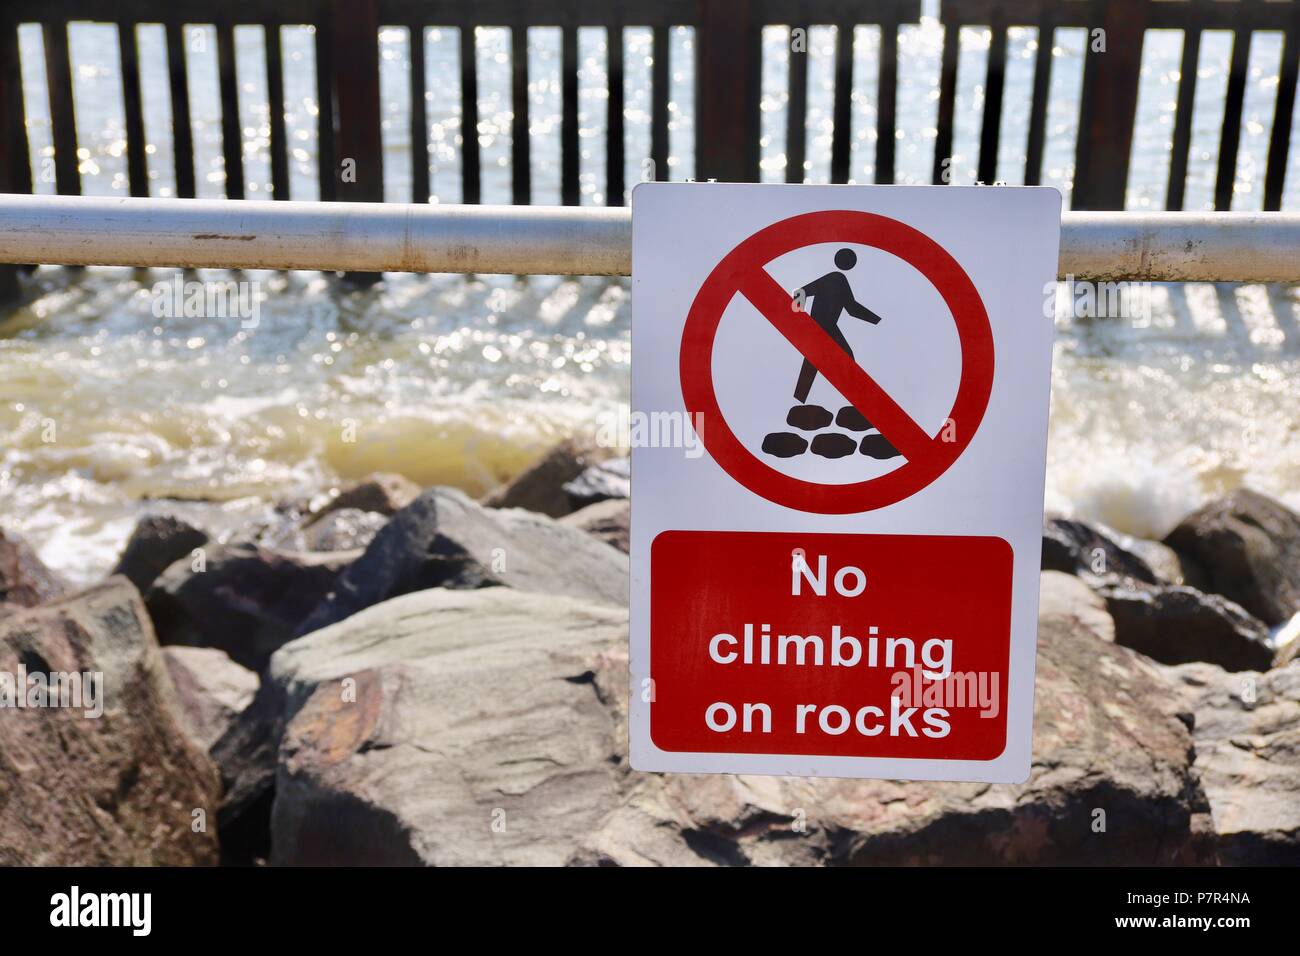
[848, 378]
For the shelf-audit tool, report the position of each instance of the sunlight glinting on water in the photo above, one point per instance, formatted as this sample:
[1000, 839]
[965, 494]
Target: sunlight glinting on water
[462, 379]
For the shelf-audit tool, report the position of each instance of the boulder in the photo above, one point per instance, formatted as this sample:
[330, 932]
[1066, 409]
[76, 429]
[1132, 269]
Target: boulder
[540, 486]
[157, 542]
[445, 540]
[1168, 565]
[211, 690]
[244, 599]
[1249, 547]
[600, 482]
[126, 788]
[1071, 605]
[1177, 625]
[1101, 743]
[490, 727]
[25, 581]
[1074, 547]
[446, 727]
[344, 529]
[382, 493]
[610, 521]
[1247, 734]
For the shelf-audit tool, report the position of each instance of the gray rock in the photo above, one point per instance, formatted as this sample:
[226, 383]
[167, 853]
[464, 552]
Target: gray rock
[211, 689]
[120, 789]
[246, 600]
[157, 542]
[489, 727]
[443, 539]
[471, 732]
[1249, 546]
[540, 486]
[599, 482]
[1247, 734]
[25, 581]
[610, 521]
[1177, 625]
[343, 529]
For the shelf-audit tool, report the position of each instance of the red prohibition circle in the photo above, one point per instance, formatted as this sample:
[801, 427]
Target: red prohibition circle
[744, 268]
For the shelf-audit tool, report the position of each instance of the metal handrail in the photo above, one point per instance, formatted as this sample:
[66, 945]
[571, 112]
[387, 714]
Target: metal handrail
[524, 240]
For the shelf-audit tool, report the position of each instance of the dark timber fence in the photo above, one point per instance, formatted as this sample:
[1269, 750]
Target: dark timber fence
[727, 69]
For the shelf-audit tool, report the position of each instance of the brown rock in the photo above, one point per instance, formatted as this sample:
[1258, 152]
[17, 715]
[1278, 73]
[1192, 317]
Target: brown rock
[157, 542]
[540, 486]
[381, 492]
[25, 581]
[120, 789]
[1178, 625]
[610, 521]
[246, 600]
[1249, 547]
[1075, 547]
[489, 727]
[1101, 743]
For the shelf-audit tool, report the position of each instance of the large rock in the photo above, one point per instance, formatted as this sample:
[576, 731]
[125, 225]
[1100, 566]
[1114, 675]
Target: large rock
[600, 482]
[244, 599]
[490, 727]
[1249, 546]
[540, 486]
[345, 529]
[1178, 625]
[382, 493]
[446, 727]
[157, 542]
[1074, 547]
[211, 689]
[1101, 743]
[25, 581]
[1169, 566]
[610, 521]
[443, 539]
[1247, 734]
[120, 789]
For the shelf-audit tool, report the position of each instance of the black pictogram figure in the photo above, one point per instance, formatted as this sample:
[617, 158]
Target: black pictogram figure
[831, 296]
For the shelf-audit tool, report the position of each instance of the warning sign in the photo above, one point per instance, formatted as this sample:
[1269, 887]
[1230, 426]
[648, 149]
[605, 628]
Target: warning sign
[839, 484]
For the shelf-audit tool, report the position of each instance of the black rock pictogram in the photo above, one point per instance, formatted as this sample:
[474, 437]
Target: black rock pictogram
[809, 418]
[878, 446]
[852, 419]
[833, 445]
[785, 444]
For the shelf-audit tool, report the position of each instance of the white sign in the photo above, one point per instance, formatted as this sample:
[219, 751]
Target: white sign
[839, 401]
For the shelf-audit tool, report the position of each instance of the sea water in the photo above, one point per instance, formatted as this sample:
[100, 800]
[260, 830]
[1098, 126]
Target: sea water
[109, 410]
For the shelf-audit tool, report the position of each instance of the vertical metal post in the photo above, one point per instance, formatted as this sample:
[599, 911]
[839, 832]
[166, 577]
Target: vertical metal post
[1109, 103]
[727, 93]
[358, 143]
